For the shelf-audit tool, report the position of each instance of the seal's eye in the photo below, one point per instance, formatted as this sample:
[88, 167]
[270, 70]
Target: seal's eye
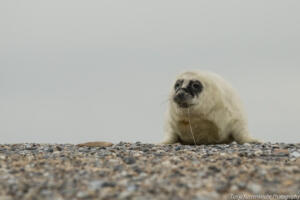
[178, 84]
[197, 86]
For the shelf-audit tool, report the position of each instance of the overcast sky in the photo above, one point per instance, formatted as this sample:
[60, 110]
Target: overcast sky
[76, 71]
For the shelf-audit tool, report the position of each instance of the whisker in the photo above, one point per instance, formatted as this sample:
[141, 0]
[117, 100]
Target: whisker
[191, 126]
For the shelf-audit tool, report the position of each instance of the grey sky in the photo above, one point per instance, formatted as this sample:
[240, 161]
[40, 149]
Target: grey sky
[75, 71]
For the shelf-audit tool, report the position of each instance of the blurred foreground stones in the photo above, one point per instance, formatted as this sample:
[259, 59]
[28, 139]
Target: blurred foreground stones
[148, 171]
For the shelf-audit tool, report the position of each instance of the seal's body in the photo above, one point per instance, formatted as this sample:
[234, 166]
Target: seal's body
[205, 109]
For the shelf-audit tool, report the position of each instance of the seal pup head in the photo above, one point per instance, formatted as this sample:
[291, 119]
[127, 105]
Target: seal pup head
[194, 90]
[186, 91]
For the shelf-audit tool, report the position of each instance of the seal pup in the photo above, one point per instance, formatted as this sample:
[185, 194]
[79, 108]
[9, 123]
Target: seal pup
[205, 109]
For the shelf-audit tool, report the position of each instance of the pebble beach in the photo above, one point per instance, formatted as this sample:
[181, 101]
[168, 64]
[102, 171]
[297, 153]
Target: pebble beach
[148, 171]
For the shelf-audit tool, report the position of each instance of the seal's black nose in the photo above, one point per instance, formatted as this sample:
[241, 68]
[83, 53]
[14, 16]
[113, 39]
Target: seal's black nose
[180, 97]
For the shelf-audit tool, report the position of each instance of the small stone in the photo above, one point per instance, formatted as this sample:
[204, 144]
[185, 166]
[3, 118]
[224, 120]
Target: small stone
[46, 192]
[223, 154]
[258, 152]
[49, 150]
[242, 185]
[125, 194]
[108, 184]
[137, 169]
[118, 168]
[222, 187]
[129, 160]
[30, 147]
[237, 162]
[95, 144]
[59, 148]
[83, 195]
[234, 188]
[288, 183]
[166, 163]
[177, 148]
[144, 149]
[94, 185]
[254, 188]
[214, 168]
[132, 188]
[281, 152]
[295, 154]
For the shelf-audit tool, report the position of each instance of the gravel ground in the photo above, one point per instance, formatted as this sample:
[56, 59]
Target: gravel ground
[148, 171]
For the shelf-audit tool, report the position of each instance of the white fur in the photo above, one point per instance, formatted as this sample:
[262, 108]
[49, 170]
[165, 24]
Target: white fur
[217, 115]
